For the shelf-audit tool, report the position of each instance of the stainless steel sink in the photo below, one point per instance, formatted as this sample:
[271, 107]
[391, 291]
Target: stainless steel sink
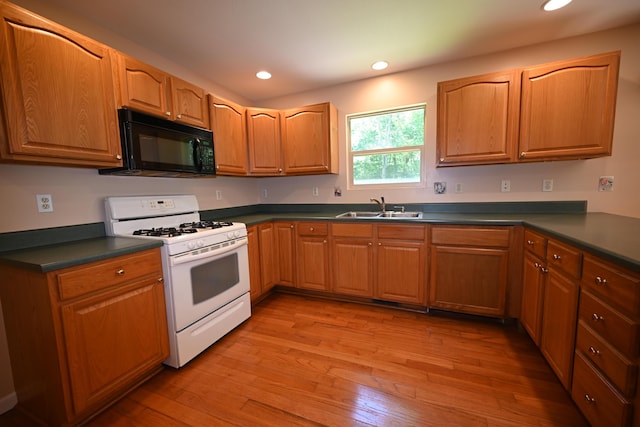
[380, 215]
[354, 214]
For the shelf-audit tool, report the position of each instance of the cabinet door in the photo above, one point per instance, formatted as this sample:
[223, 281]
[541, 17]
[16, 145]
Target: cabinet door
[478, 119]
[230, 136]
[568, 108]
[255, 279]
[285, 243]
[532, 296]
[112, 338]
[58, 93]
[189, 103]
[469, 279]
[143, 87]
[263, 137]
[559, 320]
[400, 271]
[309, 140]
[312, 254]
[352, 266]
[268, 271]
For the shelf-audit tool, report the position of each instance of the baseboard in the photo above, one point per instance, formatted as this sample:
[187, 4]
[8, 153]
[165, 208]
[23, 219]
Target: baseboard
[8, 402]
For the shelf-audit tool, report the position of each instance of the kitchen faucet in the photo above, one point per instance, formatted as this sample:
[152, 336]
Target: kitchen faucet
[380, 203]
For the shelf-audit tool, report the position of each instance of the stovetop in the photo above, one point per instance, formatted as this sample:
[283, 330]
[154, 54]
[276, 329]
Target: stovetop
[184, 228]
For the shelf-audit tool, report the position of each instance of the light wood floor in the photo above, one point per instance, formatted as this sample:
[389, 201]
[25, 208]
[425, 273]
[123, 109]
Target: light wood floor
[309, 362]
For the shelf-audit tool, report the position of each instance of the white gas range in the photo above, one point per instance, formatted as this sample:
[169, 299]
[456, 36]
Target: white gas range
[205, 267]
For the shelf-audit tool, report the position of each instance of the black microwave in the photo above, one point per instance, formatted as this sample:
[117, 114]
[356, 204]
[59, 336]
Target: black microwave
[153, 146]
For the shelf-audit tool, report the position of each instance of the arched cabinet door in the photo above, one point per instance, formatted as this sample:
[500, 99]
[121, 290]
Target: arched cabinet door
[58, 94]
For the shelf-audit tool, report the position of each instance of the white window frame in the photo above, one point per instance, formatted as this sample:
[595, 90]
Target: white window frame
[421, 148]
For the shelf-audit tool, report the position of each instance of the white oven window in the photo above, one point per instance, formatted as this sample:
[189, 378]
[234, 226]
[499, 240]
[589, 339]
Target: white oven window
[213, 278]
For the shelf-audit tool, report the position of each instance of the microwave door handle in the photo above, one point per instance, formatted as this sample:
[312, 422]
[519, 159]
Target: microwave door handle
[197, 156]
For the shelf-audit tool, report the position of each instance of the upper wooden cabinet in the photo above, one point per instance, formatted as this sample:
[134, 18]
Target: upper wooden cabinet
[557, 111]
[568, 108]
[229, 135]
[148, 89]
[58, 94]
[478, 119]
[310, 140]
[263, 138]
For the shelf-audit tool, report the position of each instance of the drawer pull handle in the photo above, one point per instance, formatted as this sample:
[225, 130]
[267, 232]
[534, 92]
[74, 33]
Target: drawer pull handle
[589, 398]
[120, 272]
[530, 242]
[600, 281]
[594, 351]
[596, 317]
[557, 257]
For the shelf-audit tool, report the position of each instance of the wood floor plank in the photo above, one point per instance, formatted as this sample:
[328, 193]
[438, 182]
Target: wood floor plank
[307, 362]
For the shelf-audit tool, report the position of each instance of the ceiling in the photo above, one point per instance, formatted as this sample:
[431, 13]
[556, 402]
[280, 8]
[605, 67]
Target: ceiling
[309, 44]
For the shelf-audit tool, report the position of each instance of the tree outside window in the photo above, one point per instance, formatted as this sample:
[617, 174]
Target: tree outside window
[387, 147]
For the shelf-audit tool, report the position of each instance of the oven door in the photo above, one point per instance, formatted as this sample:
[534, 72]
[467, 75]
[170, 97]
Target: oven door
[204, 280]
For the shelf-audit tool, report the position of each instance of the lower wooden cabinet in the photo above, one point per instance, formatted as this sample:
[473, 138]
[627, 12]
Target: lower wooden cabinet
[285, 236]
[352, 259]
[262, 259]
[469, 269]
[312, 255]
[80, 337]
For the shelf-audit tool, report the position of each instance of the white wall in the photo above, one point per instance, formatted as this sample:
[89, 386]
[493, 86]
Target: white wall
[573, 180]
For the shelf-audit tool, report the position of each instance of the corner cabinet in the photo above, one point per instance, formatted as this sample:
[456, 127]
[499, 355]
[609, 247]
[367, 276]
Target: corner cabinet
[557, 111]
[58, 94]
[310, 140]
[148, 89]
[478, 119]
[96, 331]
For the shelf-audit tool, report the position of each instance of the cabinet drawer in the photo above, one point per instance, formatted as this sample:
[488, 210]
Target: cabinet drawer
[600, 403]
[535, 243]
[565, 258]
[100, 275]
[610, 324]
[620, 287]
[313, 228]
[402, 232]
[352, 230]
[620, 370]
[471, 236]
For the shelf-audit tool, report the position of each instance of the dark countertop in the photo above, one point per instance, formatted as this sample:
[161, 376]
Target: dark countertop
[613, 237]
[68, 254]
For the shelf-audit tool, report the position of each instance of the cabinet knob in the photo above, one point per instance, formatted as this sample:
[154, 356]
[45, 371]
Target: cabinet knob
[167, 113]
[118, 157]
[324, 241]
[311, 228]
[596, 317]
[160, 279]
[370, 244]
[600, 280]
[291, 226]
[557, 257]
[179, 116]
[544, 270]
[523, 154]
[279, 170]
[530, 242]
[442, 160]
[594, 351]
[120, 272]
[589, 399]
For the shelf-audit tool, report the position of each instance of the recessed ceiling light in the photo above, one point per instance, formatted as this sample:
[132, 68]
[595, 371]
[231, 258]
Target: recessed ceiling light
[555, 4]
[263, 75]
[380, 65]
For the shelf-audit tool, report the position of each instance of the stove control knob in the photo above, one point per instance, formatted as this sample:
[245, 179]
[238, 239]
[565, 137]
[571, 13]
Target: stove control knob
[191, 245]
[230, 235]
[200, 243]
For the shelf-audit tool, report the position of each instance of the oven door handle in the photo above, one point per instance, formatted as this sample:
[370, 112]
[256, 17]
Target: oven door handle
[198, 254]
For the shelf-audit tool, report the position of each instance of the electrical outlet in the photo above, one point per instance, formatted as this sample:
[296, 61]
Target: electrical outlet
[315, 191]
[505, 187]
[218, 194]
[45, 202]
[458, 187]
[547, 185]
[264, 193]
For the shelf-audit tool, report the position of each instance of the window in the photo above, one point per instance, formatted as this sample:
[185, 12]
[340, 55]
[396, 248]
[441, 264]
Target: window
[387, 147]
